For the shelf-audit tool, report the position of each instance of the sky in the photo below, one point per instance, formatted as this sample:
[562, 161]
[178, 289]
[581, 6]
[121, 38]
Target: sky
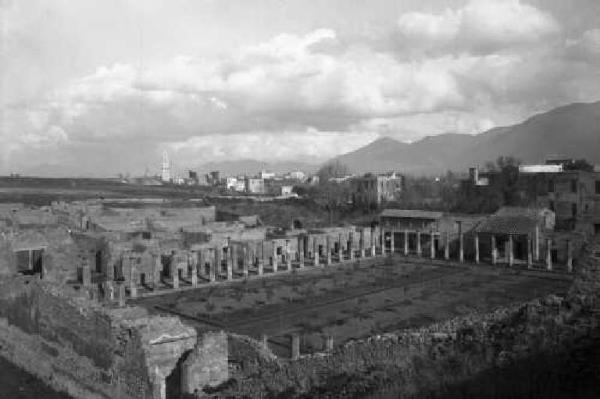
[92, 87]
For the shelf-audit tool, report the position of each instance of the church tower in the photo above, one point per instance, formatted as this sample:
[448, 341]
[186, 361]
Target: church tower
[165, 174]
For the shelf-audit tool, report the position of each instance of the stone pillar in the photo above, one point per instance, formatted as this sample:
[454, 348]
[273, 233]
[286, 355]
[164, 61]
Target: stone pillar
[194, 269]
[419, 249]
[109, 291]
[245, 260]
[121, 294]
[176, 278]
[159, 387]
[275, 260]
[477, 256]
[373, 243]
[392, 242]
[447, 246]
[328, 259]
[494, 250]
[230, 263]
[86, 274]
[569, 256]
[132, 280]
[261, 261]
[329, 343]
[432, 245]
[461, 247]
[548, 254]
[536, 244]
[215, 267]
[511, 250]
[316, 254]
[295, 346]
[156, 270]
[340, 249]
[301, 250]
[265, 341]
[382, 240]
[288, 256]
[361, 243]
[351, 246]
[529, 253]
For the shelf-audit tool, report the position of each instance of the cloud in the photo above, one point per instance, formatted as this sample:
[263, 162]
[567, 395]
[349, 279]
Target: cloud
[481, 26]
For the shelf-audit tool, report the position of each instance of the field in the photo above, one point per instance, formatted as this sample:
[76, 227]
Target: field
[352, 301]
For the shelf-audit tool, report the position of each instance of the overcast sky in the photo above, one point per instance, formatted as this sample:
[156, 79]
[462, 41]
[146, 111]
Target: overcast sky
[103, 86]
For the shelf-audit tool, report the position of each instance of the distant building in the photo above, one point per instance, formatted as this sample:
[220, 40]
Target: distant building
[165, 174]
[193, 176]
[408, 219]
[297, 175]
[373, 189]
[235, 184]
[287, 191]
[255, 185]
[214, 178]
[263, 174]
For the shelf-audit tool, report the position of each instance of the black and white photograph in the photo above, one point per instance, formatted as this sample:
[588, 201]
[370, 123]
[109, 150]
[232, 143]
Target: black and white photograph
[296, 199]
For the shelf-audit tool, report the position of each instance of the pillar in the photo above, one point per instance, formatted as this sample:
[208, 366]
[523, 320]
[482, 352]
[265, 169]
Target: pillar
[569, 256]
[511, 250]
[461, 247]
[373, 243]
[288, 256]
[361, 243]
[548, 254]
[529, 252]
[392, 242]
[419, 249]
[109, 291]
[295, 346]
[536, 244]
[261, 260]
[447, 246]
[301, 250]
[245, 260]
[86, 274]
[215, 266]
[230, 259]
[275, 260]
[476, 238]
[329, 343]
[351, 246]
[340, 249]
[432, 245]
[316, 254]
[121, 294]
[159, 387]
[382, 240]
[156, 271]
[328, 259]
[175, 278]
[494, 250]
[265, 341]
[194, 269]
[132, 280]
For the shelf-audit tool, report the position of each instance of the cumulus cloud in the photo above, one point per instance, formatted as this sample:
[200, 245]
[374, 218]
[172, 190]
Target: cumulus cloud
[480, 26]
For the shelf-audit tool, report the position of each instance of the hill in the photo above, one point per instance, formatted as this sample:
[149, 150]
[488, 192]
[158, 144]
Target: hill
[571, 131]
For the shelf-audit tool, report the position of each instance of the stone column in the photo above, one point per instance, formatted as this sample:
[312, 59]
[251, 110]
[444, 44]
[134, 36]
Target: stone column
[194, 269]
[529, 253]
[175, 272]
[215, 267]
[382, 240]
[461, 247]
[432, 245]
[361, 243]
[230, 260]
[86, 274]
[340, 249]
[159, 387]
[275, 260]
[392, 242]
[494, 250]
[328, 259]
[109, 291]
[329, 343]
[373, 243]
[261, 259]
[301, 250]
[536, 244]
[132, 280]
[316, 254]
[265, 341]
[476, 248]
[157, 271]
[245, 260]
[548, 254]
[419, 249]
[201, 263]
[288, 256]
[569, 256]
[121, 294]
[295, 346]
[511, 251]
[447, 246]
[351, 246]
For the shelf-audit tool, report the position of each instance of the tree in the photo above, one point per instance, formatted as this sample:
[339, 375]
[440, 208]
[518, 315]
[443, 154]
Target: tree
[331, 170]
[579, 164]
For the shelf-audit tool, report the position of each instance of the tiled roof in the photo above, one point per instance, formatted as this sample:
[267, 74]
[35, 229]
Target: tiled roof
[507, 225]
[410, 213]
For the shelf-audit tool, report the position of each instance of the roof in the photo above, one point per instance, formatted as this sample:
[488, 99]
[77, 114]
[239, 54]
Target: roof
[513, 224]
[411, 214]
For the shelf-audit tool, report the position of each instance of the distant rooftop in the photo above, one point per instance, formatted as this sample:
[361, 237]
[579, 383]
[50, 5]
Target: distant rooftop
[411, 213]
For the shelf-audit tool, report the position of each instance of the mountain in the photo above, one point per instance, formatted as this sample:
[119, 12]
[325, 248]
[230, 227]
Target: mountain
[572, 131]
[252, 167]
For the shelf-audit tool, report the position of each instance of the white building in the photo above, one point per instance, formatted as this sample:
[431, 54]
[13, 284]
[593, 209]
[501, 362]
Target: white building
[165, 174]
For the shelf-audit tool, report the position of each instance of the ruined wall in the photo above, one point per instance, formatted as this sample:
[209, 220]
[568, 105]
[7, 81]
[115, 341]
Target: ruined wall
[89, 351]
[420, 359]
